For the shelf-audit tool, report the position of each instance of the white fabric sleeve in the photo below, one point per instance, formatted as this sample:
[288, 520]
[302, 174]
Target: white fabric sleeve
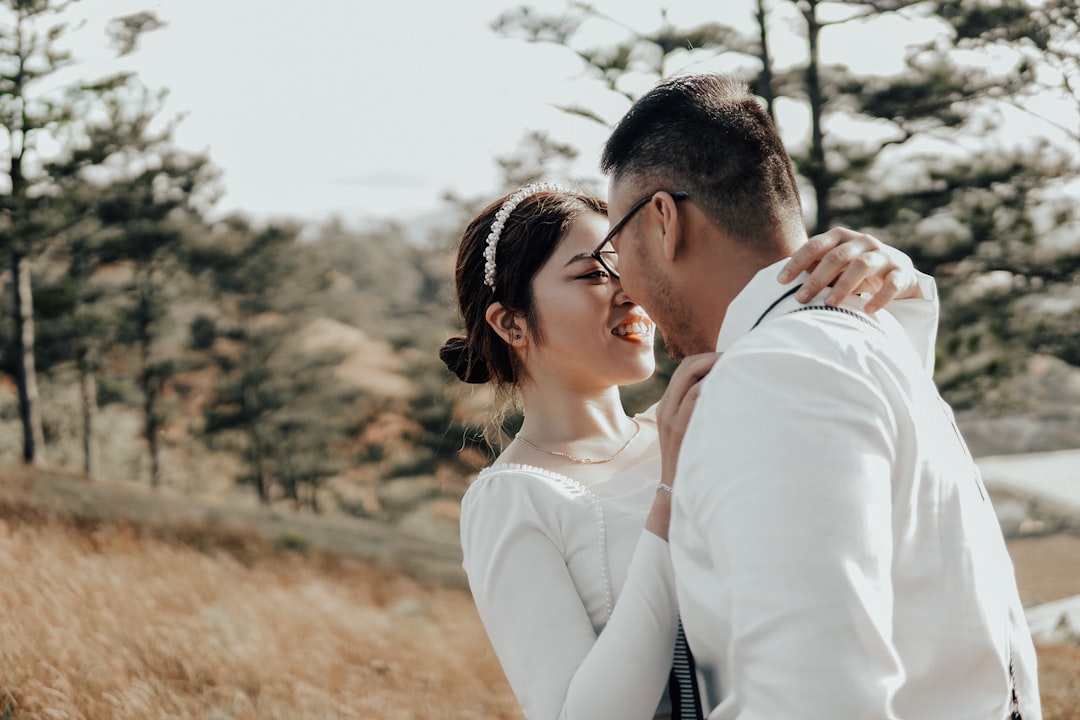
[919, 319]
[538, 625]
[784, 479]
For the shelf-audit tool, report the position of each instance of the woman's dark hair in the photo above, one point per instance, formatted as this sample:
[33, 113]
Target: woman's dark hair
[529, 237]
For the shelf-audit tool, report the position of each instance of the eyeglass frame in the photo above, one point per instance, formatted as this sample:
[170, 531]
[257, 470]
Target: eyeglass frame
[598, 253]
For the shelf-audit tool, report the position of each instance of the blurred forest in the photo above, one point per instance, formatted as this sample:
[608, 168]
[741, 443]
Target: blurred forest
[142, 337]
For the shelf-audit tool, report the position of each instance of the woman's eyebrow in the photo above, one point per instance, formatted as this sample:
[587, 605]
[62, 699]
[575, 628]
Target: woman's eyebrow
[578, 258]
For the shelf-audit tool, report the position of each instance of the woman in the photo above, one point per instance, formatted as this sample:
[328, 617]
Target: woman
[572, 516]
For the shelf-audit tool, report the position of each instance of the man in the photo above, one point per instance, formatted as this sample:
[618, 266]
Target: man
[835, 552]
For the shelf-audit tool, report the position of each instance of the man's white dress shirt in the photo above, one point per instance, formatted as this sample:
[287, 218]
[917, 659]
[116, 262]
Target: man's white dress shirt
[835, 552]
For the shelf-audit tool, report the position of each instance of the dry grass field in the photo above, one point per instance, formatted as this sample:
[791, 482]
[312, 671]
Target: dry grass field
[101, 621]
[105, 621]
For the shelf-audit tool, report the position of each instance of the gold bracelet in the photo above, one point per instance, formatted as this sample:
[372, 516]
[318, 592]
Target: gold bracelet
[666, 488]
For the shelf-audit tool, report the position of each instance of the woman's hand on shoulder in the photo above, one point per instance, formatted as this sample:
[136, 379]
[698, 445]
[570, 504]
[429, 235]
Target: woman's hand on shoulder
[853, 262]
[672, 416]
[677, 405]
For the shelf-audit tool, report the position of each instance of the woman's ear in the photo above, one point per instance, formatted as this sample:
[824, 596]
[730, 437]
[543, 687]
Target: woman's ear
[509, 325]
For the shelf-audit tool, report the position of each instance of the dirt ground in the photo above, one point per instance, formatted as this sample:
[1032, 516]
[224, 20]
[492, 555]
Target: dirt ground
[1059, 681]
[1047, 568]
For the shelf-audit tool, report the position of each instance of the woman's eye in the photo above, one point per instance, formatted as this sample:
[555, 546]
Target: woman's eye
[597, 274]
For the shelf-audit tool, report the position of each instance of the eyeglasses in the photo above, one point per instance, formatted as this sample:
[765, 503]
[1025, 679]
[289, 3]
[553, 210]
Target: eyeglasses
[608, 258]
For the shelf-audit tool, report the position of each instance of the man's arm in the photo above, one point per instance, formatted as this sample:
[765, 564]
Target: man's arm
[785, 479]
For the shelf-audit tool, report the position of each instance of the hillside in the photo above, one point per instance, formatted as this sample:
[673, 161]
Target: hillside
[114, 620]
[110, 621]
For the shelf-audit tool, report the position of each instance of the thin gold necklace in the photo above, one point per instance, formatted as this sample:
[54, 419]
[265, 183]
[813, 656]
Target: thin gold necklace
[584, 460]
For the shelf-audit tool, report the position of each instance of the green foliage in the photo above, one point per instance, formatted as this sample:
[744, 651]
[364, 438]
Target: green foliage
[290, 540]
[640, 396]
[276, 402]
[41, 205]
[638, 52]
[120, 389]
[203, 333]
[135, 287]
[1007, 21]
[539, 156]
[935, 173]
[125, 32]
[440, 435]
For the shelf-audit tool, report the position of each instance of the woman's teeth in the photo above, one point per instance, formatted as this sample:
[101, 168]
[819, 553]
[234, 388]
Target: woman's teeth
[638, 328]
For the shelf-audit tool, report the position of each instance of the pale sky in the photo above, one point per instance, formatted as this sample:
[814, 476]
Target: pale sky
[374, 109]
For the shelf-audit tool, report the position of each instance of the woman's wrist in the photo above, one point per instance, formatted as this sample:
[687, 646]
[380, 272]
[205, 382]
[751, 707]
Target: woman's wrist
[660, 513]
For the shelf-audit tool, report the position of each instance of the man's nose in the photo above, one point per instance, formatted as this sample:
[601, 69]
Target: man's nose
[621, 297]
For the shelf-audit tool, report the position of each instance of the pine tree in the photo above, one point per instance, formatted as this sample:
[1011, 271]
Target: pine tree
[30, 112]
[923, 158]
[151, 200]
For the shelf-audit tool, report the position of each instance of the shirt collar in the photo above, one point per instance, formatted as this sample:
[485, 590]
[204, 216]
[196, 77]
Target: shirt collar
[747, 307]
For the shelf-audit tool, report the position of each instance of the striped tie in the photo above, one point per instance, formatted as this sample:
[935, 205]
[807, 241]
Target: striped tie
[1014, 702]
[682, 686]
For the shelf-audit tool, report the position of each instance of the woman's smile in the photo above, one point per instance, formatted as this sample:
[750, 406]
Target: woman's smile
[635, 329]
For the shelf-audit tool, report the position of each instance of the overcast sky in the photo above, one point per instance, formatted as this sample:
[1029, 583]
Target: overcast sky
[364, 108]
[342, 106]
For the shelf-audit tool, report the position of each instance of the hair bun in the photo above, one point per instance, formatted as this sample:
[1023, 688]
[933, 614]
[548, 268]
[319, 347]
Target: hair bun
[456, 355]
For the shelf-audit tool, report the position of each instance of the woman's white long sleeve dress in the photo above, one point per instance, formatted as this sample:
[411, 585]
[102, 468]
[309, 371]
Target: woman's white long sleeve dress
[546, 559]
[577, 599]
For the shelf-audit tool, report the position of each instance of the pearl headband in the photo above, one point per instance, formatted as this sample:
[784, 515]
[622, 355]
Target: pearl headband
[500, 222]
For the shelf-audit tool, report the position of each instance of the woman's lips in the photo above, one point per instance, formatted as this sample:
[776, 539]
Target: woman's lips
[633, 329]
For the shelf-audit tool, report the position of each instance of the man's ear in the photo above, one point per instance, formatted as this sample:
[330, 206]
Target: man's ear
[670, 226]
[510, 326]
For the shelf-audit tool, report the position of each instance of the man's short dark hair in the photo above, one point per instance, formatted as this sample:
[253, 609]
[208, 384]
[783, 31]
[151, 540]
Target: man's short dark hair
[709, 135]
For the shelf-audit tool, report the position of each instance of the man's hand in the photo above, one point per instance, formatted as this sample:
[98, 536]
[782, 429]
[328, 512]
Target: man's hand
[852, 262]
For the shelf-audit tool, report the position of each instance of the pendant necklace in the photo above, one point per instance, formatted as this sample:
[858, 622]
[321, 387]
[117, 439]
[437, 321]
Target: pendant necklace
[584, 460]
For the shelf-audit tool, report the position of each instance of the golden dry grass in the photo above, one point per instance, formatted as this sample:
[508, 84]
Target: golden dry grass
[102, 621]
[108, 621]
